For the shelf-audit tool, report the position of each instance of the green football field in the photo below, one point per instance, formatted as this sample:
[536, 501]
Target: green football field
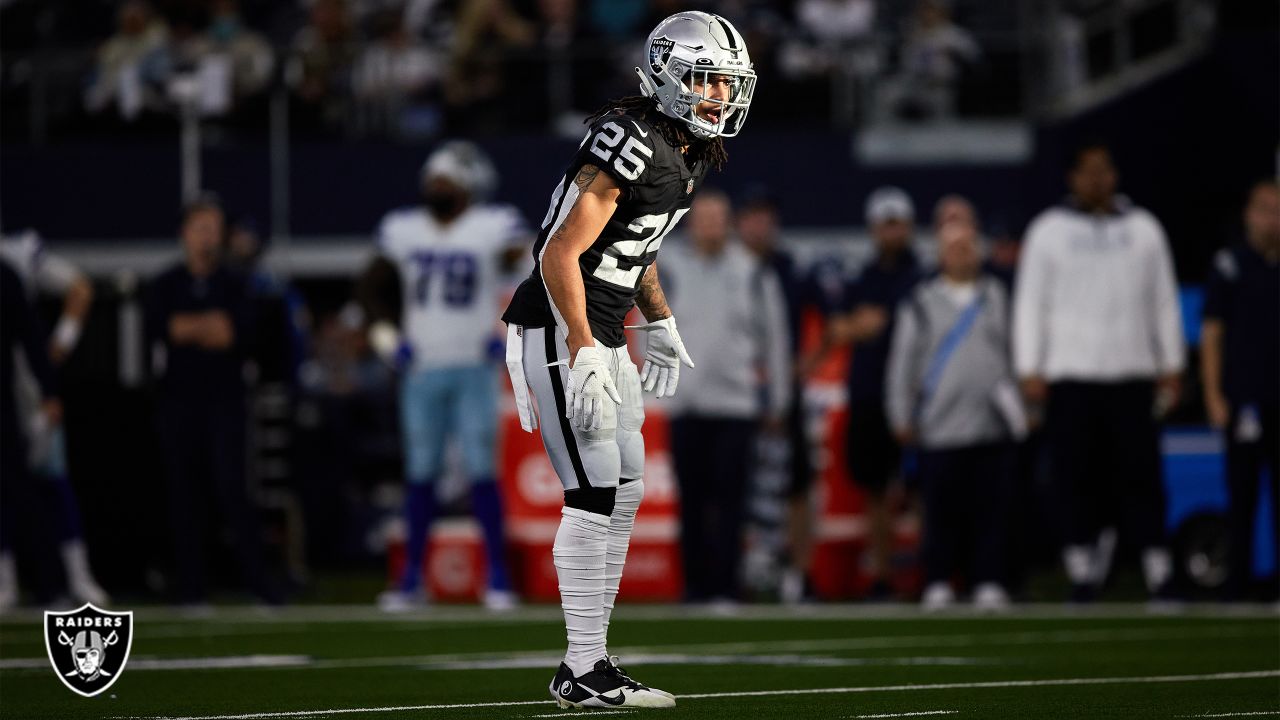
[759, 662]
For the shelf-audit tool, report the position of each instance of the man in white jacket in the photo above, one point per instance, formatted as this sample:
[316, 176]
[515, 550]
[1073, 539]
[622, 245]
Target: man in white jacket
[1098, 344]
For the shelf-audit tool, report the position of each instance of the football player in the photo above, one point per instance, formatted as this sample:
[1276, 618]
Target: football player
[43, 272]
[631, 181]
[447, 256]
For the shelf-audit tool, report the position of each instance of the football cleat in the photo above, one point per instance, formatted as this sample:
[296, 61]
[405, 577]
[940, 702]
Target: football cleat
[604, 686]
[500, 600]
[613, 660]
[398, 601]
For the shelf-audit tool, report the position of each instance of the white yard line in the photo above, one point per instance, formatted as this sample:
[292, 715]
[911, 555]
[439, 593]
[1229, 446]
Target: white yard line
[922, 713]
[593, 714]
[216, 662]
[758, 693]
[1260, 712]
[522, 662]
[534, 658]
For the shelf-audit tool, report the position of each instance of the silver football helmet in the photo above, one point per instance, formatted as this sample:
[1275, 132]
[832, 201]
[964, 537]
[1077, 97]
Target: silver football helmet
[465, 164]
[683, 55]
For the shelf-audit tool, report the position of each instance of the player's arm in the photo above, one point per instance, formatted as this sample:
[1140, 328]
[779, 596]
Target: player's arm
[598, 196]
[376, 290]
[664, 350]
[651, 300]
[58, 276]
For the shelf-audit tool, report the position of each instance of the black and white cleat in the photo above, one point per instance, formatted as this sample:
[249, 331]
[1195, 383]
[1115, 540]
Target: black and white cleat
[613, 660]
[603, 687]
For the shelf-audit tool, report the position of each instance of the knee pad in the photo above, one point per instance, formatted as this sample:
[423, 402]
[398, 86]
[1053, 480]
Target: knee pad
[591, 499]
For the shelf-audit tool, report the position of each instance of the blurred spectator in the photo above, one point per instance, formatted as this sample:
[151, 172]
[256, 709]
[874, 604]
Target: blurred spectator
[1240, 355]
[1001, 256]
[830, 38]
[397, 80]
[133, 66]
[319, 69]
[758, 228]
[737, 314]
[933, 57]
[284, 322]
[837, 22]
[866, 321]
[954, 208]
[19, 337]
[44, 272]
[199, 322]
[952, 393]
[449, 255]
[485, 33]
[562, 78]
[231, 62]
[620, 19]
[1098, 341]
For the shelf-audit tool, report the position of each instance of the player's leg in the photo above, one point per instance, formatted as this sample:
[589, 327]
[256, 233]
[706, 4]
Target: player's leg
[589, 465]
[630, 486]
[13, 479]
[75, 557]
[630, 493]
[476, 417]
[423, 398]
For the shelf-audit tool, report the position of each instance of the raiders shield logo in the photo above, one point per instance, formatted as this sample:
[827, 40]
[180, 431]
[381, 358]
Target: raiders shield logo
[659, 52]
[88, 647]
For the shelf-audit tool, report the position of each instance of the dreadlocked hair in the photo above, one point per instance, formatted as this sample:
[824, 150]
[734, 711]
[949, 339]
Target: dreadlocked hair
[710, 151]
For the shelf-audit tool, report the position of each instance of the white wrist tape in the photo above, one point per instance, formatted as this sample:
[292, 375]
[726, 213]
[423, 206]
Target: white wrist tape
[67, 332]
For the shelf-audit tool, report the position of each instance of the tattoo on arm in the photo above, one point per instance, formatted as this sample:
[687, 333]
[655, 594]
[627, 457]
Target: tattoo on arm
[586, 175]
[650, 298]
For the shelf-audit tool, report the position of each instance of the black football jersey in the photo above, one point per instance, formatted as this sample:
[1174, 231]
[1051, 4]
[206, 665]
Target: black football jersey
[657, 188]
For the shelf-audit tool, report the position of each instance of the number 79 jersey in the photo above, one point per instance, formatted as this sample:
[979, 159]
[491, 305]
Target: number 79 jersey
[657, 190]
[449, 277]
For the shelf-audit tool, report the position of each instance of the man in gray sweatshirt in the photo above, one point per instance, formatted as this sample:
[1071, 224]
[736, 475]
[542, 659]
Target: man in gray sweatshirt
[742, 381]
[951, 392]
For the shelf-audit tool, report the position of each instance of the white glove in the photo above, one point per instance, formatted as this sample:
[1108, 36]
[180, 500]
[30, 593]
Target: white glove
[590, 386]
[390, 345]
[662, 356]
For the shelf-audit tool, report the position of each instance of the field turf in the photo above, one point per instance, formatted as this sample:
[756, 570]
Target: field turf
[759, 662]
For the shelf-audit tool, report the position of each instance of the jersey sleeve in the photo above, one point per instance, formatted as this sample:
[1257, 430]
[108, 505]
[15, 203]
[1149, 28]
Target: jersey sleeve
[1222, 275]
[390, 243]
[622, 147]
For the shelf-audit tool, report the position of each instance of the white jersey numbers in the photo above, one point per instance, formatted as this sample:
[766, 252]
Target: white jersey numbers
[629, 162]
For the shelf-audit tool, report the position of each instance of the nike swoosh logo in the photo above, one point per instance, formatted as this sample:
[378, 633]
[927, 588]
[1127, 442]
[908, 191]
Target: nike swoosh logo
[613, 700]
[642, 132]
